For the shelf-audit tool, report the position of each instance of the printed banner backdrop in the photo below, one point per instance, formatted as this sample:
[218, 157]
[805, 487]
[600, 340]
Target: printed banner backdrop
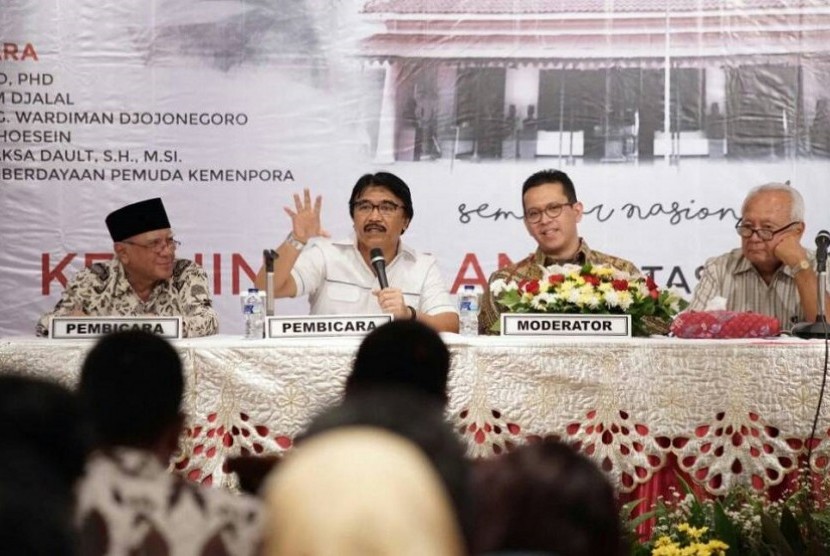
[664, 112]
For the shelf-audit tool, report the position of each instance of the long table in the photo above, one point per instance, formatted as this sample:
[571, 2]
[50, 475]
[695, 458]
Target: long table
[723, 412]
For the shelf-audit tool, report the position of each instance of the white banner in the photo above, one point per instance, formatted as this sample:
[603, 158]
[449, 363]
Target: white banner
[226, 108]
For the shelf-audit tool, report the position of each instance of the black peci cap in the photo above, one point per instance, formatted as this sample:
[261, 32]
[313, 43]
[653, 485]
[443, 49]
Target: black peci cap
[137, 218]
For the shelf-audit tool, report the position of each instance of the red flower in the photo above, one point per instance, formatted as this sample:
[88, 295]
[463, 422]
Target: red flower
[591, 279]
[532, 287]
[620, 285]
[654, 293]
[650, 283]
[556, 279]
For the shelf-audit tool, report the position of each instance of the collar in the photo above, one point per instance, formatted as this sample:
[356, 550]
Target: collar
[582, 255]
[404, 250]
[122, 284]
[743, 266]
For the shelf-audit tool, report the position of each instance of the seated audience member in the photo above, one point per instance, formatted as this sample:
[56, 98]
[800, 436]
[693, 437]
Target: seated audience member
[338, 276]
[380, 497]
[144, 277]
[771, 273]
[128, 503]
[545, 497]
[551, 215]
[417, 417]
[402, 354]
[45, 444]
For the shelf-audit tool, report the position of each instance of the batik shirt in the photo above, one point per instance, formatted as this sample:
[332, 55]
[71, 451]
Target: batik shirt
[530, 268]
[129, 504]
[102, 290]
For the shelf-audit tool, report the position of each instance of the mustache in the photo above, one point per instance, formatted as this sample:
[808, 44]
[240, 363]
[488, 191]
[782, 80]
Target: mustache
[374, 226]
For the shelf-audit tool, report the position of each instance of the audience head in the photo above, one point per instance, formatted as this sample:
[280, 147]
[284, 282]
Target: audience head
[45, 443]
[131, 386]
[405, 355]
[357, 491]
[546, 497]
[552, 212]
[417, 417]
[45, 419]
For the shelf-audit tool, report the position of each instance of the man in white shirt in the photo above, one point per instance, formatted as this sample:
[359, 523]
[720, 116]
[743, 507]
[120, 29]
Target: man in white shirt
[338, 276]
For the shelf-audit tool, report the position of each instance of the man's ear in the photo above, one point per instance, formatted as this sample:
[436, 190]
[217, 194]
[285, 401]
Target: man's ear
[120, 251]
[578, 209]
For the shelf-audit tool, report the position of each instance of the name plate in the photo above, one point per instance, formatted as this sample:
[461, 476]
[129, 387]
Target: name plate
[317, 326]
[559, 324]
[72, 328]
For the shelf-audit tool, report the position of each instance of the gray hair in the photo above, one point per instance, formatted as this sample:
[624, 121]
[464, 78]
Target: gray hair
[796, 200]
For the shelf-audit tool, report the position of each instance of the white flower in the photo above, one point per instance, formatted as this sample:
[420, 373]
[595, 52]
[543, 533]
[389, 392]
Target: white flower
[500, 286]
[543, 300]
[612, 299]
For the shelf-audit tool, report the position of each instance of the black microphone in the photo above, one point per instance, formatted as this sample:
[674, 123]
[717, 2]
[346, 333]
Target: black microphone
[379, 264]
[822, 243]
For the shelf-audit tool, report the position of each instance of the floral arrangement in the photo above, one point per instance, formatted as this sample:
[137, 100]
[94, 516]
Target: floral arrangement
[744, 522]
[592, 289]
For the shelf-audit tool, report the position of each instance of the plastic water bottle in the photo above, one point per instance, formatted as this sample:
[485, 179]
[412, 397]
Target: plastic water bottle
[253, 311]
[469, 302]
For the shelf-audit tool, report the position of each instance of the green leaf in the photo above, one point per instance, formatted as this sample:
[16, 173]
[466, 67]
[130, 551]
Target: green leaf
[726, 531]
[773, 535]
[791, 531]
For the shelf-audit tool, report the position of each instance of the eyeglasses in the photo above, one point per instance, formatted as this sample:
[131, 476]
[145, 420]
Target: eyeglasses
[552, 210]
[386, 208]
[764, 234]
[157, 245]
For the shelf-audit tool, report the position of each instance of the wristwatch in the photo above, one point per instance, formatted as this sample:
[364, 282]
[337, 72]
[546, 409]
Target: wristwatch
[291, 240]
[412, 313]
[804, 264]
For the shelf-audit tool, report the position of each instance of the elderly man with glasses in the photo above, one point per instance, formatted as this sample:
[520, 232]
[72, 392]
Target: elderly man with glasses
[338, 276]
[551, 215]
[144, 277]
[771, 273]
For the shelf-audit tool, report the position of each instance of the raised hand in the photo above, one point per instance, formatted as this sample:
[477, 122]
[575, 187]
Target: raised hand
[305, 219]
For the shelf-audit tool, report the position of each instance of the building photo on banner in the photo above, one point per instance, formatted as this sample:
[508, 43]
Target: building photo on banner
[154, 153]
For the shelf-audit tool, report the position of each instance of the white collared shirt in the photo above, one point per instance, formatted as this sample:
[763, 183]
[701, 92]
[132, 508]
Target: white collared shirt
[338, 281]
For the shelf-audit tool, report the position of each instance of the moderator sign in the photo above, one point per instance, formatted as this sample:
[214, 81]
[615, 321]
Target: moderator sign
[556, 324]
[72, 328]
[317, 326]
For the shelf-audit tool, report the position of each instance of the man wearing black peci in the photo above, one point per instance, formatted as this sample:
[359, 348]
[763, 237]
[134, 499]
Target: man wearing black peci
[144, 277]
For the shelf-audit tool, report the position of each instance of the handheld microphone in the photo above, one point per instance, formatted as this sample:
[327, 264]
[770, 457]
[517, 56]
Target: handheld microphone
[269, 256]
[379, 264]
[822, 243]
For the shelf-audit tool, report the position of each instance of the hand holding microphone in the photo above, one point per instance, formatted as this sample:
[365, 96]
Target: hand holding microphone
[390, 299]
[379, 264]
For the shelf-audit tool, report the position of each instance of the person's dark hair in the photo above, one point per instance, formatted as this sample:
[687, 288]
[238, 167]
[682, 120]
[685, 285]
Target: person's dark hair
[387, 180]
[545, 497]
[402, 354]
[47, 420]
[418, 418]
[46, 440]
[551, 176]
[131, 386]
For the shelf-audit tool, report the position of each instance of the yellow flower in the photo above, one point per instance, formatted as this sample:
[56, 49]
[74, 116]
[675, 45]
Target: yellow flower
[693, 532]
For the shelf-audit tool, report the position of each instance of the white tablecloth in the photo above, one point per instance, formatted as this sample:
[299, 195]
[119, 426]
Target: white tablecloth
[730, 411]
